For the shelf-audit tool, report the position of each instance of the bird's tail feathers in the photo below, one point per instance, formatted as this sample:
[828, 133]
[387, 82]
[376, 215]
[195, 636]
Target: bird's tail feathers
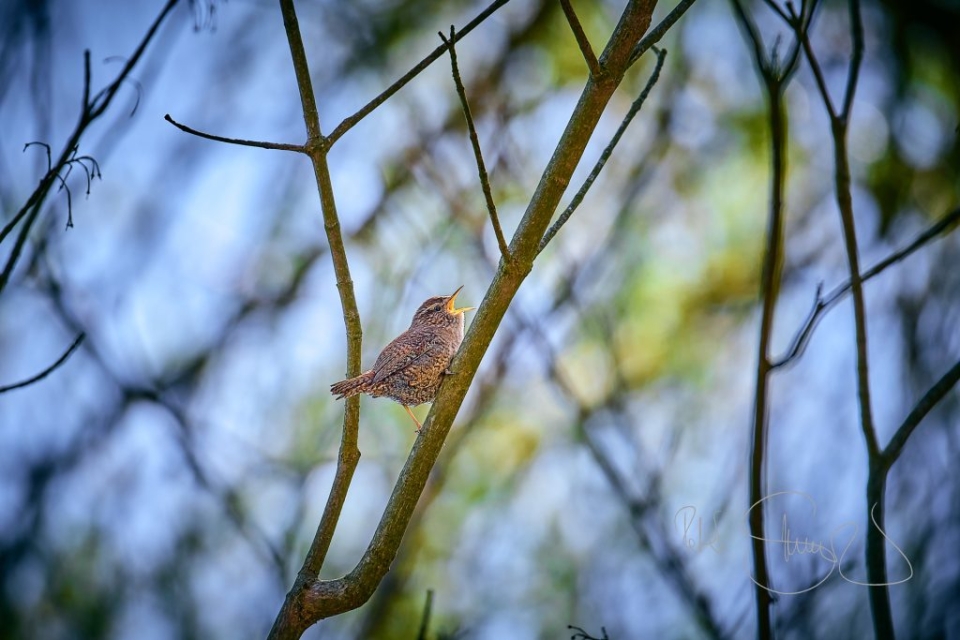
[351, 386]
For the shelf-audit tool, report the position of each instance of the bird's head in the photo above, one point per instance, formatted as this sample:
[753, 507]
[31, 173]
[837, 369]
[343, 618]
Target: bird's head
[440, 311]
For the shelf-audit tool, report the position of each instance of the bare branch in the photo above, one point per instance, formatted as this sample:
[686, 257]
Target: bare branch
[64, 187]
[875, 554]
[475, 141]
[53, 367]
[817, 73]
[34, 211]
[654, 35]
[136, 85]
[350, 122]
[27, 207]
[856, 58]
[583, 635]
[85, 104]
[291, 619]
[349, 454]
[588, 55]
[919, 412]
[425, 618]
[281, 146]
[46, 148]
[749, 28]
[607, 152]
[776, 9]
[102, 100]
[822, 305]
[89, 112]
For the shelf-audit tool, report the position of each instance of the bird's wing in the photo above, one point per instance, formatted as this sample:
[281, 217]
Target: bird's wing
[404, 351]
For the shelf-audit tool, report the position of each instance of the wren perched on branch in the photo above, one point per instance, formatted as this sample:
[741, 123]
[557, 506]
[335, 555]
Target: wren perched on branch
[409, 369]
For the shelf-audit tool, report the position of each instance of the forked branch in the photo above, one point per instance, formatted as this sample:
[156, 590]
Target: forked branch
[823, 304]
[90, 110]
[774, 76]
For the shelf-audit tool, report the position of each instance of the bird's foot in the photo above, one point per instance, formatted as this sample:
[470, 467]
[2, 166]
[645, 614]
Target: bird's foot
[414, 418]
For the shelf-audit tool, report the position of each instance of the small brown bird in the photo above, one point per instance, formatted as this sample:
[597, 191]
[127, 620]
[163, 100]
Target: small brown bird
[409, 369]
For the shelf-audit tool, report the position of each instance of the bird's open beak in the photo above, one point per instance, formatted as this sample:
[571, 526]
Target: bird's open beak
[450, 304]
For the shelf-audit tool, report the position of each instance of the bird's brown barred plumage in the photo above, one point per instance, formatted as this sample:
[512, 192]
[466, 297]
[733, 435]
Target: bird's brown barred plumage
[409, 369]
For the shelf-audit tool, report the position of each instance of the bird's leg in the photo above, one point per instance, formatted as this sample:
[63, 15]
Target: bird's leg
[414, 418]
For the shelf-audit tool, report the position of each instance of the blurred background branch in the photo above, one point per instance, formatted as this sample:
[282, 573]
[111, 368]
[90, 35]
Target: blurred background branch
[775, 75]
[167, 481]
[43, 374]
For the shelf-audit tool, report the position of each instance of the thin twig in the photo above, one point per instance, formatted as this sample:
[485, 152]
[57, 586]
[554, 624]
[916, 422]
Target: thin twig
[856, 29]
[929, 400]
[654, 35]
[85, 104]
[582, 41]
[53, 367]
[607, 152]
[281, 146]
[425, 618]
[583, 635]
[752, 33]
[822, 304]
[90, 110]
[351, 121]
[64, 187]
[818, 74]
[776, 9]
[774, 77]
[46, 148]
[475, 141]
[102, 100]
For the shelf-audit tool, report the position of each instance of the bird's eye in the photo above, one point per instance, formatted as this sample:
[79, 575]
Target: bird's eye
[436, 307]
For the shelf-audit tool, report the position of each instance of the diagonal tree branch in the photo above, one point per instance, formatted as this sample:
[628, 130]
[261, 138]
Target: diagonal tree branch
[281, 146]
[822, 304]
[653, 36]
[582, 41]
[351, 121]
[607, 152]
[856, 59]
[475, 141]
[329, 597]
[53, 367]
[930, 399]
